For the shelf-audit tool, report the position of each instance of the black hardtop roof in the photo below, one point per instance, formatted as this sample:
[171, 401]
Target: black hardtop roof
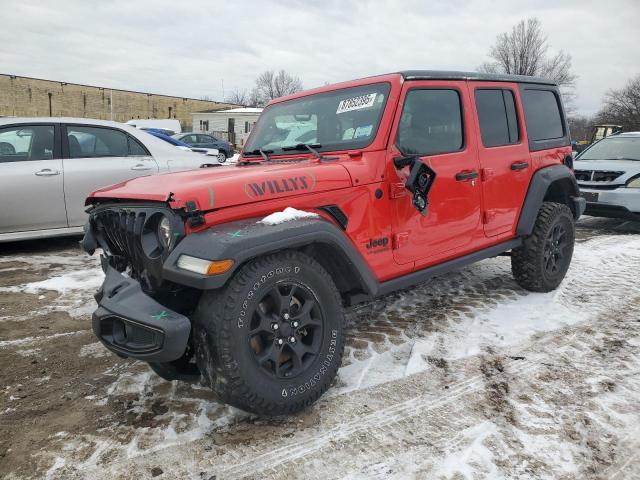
[487, 77]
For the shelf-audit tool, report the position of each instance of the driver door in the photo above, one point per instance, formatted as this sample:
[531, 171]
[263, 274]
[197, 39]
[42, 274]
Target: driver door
[434, 124]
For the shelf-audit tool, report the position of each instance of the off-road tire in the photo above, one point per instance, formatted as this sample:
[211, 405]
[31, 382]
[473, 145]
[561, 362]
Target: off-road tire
[528, 260]
[221, 336]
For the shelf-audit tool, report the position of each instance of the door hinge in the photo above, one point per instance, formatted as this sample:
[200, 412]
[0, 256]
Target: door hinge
[400, 239]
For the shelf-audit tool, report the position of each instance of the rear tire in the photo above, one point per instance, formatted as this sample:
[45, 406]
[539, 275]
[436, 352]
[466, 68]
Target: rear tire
[222, 157]
[236, 337]
[541, 262]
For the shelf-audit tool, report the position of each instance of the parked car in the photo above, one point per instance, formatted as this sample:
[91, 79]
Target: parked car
[168, 125]
[242, 274]
[201, 140]
[49, 165]
[163, 131]
[212, 152]
[608, 173]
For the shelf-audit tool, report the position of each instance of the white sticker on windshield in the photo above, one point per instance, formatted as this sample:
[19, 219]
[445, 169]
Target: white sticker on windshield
[356, 103]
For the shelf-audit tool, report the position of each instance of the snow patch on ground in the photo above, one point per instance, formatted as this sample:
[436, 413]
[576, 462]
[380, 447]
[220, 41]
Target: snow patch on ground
[86, 279]
[596, 263]
[286, 215]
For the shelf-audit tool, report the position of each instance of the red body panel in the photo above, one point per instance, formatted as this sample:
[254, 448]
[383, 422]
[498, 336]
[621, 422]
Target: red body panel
[392, 237]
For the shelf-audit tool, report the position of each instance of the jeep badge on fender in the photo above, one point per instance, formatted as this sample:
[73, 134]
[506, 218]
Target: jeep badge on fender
[239, 276]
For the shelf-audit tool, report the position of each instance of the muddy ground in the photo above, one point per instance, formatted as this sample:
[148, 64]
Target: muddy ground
[466, 376]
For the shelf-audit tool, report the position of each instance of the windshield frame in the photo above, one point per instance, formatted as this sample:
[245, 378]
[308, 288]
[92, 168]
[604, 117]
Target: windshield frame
[606, 139]
[385, 87]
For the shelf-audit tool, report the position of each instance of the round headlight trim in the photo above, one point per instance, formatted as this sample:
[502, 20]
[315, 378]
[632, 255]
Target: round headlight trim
[165, 232]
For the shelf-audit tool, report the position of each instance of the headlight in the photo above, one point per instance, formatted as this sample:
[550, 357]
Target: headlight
[165, 235]
[634, 183]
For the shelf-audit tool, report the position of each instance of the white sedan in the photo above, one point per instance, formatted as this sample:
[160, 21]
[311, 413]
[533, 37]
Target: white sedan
[48, 166]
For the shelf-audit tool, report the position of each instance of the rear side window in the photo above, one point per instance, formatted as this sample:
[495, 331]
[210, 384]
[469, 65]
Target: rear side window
[497, 117]
[26, 143]
[542, 113]
[431, 122]
[136, 149]
[87, 142]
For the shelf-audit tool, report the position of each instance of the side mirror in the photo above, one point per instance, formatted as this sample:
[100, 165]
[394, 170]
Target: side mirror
[420, 181]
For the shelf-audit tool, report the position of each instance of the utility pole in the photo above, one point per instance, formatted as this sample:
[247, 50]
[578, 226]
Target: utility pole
[223, 89]
[111, 103]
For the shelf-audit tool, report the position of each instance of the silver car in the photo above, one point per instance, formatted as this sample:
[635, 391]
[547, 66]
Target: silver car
[48, 166]
[608, 173]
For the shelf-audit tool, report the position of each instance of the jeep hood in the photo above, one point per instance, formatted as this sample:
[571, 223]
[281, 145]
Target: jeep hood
[219, 187]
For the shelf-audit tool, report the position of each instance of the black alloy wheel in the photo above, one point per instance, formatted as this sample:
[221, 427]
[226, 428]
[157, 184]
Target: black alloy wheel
[286, 330]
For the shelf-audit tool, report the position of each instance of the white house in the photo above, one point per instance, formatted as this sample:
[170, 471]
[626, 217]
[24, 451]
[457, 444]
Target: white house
[234, 124]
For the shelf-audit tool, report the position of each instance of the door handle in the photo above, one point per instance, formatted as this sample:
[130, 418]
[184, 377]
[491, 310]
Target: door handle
[47, 172]
[519, 165]
[466, 175]
[140, 167]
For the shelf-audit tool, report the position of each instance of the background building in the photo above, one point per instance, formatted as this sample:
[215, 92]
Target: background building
[32, 97]
[233, 124]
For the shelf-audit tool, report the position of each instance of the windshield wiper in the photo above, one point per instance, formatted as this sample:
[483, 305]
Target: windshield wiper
[311, 147]
[261, 152]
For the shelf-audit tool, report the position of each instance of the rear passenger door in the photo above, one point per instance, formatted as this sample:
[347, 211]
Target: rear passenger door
[95, 157]
[503, 153]
[31, 178]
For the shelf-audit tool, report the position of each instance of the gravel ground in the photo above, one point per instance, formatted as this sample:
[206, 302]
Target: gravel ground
[466, 376]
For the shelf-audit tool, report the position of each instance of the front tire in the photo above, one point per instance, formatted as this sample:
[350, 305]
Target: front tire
[271, 341]
[222, 157]
[541, 262]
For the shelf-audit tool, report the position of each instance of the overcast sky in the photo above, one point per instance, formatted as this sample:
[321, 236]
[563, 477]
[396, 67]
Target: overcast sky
[189, 48]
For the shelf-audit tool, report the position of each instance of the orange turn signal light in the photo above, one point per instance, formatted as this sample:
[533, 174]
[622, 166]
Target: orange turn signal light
[219, 266]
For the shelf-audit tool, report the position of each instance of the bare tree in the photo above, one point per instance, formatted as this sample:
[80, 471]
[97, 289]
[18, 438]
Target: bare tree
[580, 127]
[622, 107]
[239, 97]
[270, 85]
[524, 51]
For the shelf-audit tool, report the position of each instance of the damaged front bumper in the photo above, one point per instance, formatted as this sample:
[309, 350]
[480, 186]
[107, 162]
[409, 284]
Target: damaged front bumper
[132, 324]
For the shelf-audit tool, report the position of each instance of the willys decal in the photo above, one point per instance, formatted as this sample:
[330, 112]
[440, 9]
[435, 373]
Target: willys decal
[277, 186]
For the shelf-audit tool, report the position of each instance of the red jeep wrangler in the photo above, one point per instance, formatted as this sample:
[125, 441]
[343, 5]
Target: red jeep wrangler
[392, 179]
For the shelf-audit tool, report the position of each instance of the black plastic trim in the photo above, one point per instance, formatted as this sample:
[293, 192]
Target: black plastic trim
[247, 239]
[442, 268]
[540, 183]
[122, 298]
[486, 77]
[337, 214]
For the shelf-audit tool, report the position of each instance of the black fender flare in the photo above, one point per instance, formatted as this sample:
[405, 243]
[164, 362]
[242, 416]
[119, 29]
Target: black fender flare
[247, 239]
[538, 188]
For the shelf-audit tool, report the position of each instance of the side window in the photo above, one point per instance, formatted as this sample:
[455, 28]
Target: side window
[542, 114]
[136, 149]
[497, 117]
[87, 142]
[431, 122]
[190, 139]
[26, 143]
[205, 139]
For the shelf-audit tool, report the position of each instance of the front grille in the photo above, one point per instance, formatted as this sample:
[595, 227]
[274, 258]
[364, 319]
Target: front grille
[128, 237]
[121, 230]
[597, 175]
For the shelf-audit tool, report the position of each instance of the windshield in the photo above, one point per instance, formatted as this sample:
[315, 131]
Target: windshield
[614, 148]
[338, 120]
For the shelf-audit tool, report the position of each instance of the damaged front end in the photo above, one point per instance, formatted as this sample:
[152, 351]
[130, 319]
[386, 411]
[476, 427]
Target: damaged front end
[140, 314]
